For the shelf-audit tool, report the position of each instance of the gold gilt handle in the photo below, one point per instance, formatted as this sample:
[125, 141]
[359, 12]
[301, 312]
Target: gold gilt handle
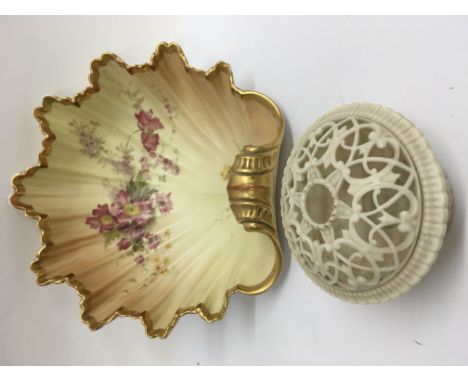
[251, 188]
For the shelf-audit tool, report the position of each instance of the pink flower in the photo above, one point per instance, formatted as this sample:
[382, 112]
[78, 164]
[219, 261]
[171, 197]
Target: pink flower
[148, 124]
[123, 244]
[140, 259]
[168, 164]
[102, 218]
[150, 142]
[164, 202]
[137, 232]
[152, 241]
[124, 227]
[127, 211]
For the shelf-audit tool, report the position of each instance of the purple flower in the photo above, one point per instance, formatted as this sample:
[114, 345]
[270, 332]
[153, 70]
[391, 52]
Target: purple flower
[148, 124]
[137, 232]
[150, 142]
[128, 212]
[101, 219]
[168, 164]
[164, 202]
[123, 244]
[152, 241]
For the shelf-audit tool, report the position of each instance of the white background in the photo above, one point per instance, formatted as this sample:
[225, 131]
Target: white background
[415, 65]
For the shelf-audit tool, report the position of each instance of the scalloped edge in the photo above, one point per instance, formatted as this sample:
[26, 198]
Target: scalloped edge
[436, 211]
[76, 100]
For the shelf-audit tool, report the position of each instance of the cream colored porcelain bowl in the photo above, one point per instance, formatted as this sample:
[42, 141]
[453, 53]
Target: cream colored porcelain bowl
[364, 203]
[154, 191]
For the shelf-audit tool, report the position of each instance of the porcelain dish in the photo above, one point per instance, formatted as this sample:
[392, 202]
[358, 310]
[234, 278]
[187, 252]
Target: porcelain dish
[154, 191]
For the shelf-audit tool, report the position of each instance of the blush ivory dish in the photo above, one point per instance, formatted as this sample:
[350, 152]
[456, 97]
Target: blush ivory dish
[365, 203]
[154, 191]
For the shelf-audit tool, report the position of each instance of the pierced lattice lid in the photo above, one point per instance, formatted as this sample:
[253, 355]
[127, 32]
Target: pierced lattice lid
[364, 203]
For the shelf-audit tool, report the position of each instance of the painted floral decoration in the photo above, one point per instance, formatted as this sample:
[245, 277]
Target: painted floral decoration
[128, 218]
[140, 192]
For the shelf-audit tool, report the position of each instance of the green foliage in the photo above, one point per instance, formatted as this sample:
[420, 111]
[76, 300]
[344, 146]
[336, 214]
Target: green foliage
[110, 236]
[139, 189]
[138, 245]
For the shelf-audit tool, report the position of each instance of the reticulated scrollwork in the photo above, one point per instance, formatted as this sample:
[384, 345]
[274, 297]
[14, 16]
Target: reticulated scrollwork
[351, 204]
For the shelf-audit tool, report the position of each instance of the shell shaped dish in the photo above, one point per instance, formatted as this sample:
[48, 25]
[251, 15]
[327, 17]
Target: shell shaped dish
[365, 204]
[154, 191]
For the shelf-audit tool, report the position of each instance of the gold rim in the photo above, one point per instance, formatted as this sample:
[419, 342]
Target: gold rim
[19, 191]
